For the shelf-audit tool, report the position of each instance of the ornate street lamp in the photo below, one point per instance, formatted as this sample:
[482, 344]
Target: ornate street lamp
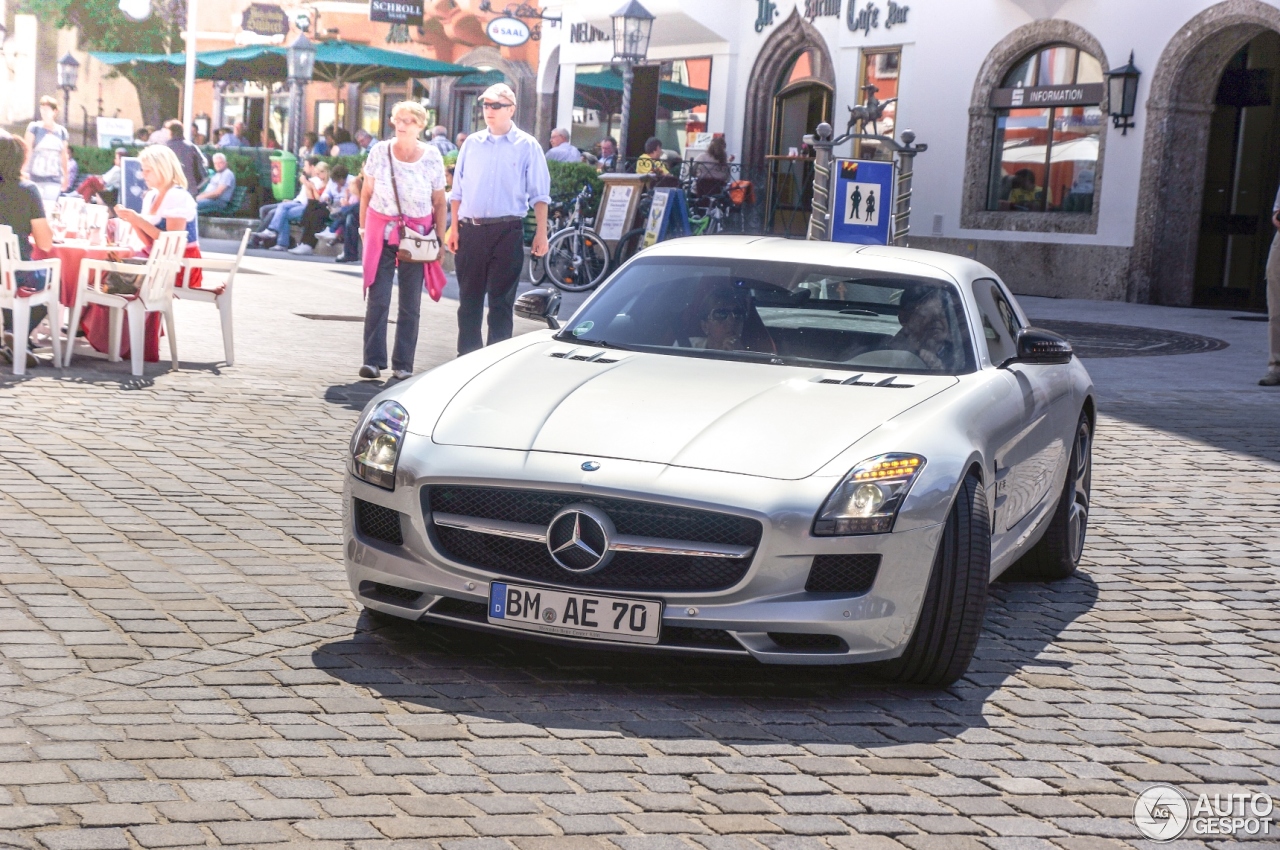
[632, 26]
[300, 60]
[68, 73]
[1122, 95]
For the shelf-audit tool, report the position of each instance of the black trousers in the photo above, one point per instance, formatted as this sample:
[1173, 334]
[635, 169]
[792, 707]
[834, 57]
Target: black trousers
[408, 277]
[489, 260]
[314, 218]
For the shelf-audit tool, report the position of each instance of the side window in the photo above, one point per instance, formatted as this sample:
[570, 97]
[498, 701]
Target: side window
[1000, 323]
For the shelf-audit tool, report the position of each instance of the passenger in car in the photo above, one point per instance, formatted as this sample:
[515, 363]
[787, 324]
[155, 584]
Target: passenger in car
[926, 330]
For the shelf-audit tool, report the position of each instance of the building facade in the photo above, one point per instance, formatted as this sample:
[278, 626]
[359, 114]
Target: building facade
[1025, 170]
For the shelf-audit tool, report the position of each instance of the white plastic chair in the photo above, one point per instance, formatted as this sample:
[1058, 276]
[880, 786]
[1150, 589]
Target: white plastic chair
[12, 297]
[154, 295]
[219, 295]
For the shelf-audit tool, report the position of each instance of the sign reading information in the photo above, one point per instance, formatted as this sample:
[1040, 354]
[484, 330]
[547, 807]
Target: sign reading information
[862, 202]
[396, 12]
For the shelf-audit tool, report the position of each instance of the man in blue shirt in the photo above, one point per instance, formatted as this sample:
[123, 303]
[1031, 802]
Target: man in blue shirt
[218, 191]
[500, 173]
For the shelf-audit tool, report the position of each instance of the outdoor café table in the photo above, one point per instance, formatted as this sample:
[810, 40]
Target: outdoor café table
[96, 320]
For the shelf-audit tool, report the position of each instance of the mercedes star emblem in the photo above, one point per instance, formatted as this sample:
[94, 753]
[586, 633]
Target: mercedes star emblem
[578, 538]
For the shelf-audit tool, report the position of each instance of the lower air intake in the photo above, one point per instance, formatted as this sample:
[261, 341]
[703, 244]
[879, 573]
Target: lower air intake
[847, 574]
[798, 642]
[375, 522]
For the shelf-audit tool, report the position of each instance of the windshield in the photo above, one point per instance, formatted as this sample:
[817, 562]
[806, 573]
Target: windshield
[775, 312]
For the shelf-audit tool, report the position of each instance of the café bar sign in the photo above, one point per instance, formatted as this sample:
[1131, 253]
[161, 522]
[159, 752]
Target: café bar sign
[264, 20]
[1035, 97]
[396, 12]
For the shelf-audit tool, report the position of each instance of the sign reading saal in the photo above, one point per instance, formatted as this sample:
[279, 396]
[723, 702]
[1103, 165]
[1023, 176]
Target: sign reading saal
[396, 12]
[509, 32]
[266, 20]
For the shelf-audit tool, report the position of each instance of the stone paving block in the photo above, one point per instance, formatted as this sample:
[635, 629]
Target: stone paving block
[21, 817]
[199, 812]
[84, 839]
[740, 823]
[168, 835]
[250, 833]
[108, 814]
[588, 824]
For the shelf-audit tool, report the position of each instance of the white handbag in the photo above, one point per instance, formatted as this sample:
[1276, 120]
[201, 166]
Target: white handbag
[414, 247]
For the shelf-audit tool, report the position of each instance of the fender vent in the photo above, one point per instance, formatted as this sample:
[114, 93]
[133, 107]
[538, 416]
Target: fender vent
[847, 574]
[857, 381]
[378, 523]
[586, 355]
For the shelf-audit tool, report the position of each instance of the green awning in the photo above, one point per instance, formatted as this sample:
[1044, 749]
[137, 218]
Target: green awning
[605, 89]
[480, 79]
[337, 61]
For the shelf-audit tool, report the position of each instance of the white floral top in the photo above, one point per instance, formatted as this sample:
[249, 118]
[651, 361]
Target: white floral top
[416, 180]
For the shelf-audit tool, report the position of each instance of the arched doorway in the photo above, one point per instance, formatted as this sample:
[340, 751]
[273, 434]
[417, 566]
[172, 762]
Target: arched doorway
[1190, 118]
[458, 94]
[1240, 180]
[792, 90]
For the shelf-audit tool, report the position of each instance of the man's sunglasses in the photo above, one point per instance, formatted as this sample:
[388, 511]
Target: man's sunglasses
[494, 105]
[720, 314]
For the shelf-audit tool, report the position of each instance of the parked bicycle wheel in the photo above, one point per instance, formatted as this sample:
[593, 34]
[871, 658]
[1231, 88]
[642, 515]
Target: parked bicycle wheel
[628, 246]
[537, 269]
[577, 260]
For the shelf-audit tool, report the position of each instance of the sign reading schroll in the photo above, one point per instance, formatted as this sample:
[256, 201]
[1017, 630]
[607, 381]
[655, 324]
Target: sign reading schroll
[396, 12]
[1034, 97]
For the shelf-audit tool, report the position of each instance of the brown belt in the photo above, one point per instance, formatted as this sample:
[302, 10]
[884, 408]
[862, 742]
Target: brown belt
[502, 219]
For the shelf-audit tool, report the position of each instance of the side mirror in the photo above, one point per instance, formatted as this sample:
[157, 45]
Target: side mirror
[1039, 347]
[541, 305]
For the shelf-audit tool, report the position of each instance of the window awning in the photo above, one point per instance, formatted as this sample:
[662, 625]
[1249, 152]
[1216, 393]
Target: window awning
[337, 62]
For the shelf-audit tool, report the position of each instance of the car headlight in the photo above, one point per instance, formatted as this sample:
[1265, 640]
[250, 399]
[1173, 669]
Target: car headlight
[867, 500]
[376, 448]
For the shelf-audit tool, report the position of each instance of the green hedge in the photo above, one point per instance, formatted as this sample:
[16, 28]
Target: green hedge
[96, 160]
[567, 180]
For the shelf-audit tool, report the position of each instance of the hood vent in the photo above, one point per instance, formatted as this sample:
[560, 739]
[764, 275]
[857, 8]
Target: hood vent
[587, 355]
[857, 381]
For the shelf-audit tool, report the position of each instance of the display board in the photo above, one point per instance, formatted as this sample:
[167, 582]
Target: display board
[132, 186]
[668, 216]
[862, 202]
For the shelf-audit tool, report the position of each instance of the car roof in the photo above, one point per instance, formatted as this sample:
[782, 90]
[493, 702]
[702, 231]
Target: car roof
[840, 254]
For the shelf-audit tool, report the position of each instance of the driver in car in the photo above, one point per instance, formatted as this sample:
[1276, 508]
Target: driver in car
[926, 331]
[723, 316]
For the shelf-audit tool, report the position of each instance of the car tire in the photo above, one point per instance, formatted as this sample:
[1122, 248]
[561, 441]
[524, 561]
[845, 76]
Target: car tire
[955, 602]
[1057, 554]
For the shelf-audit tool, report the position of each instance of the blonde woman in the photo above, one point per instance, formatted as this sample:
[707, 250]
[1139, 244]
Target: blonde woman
[167, 205]
[416, 200]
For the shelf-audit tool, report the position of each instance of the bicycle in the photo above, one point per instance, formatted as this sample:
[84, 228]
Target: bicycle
[577, 259]
[557, 219]
[718, 209]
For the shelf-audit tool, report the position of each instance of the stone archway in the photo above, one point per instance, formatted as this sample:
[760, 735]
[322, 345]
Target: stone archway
[1176, 147]
[548, 91]
[519, 76]
[793, 36]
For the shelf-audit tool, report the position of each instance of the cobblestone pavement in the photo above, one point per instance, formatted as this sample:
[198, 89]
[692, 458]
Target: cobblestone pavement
[181, 663]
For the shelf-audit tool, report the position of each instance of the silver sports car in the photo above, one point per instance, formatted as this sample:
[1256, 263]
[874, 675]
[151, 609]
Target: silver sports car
[802, 452]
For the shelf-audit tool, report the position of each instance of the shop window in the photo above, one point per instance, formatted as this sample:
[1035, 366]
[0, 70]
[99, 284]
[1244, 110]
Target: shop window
[680, 117]
[1048, 125]
[880, 68]
[326, 115]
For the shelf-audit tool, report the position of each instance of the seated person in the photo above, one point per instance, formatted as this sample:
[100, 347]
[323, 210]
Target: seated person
[218, 190]
[926, 331]
[724, 320]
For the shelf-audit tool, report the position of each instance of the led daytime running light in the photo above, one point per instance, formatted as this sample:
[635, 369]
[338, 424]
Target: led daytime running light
[868, 499]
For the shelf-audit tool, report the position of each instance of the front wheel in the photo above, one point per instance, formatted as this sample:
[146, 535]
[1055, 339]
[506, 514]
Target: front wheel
[955, 601]
[537, 269]
[1058, 552]
[577, 260]
[628, 246]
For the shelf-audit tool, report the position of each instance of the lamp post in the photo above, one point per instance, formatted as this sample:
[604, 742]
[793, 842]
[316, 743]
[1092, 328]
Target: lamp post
[300, 59]
[68, 73]
[632, 26]
[1122, 95]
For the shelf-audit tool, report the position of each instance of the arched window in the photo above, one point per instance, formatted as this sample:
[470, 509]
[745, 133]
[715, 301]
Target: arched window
[1047, 127]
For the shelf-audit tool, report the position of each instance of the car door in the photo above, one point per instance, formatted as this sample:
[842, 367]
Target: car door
[1028, 447]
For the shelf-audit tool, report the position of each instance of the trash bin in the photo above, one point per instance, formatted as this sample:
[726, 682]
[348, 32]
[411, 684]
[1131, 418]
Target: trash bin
[284, 175]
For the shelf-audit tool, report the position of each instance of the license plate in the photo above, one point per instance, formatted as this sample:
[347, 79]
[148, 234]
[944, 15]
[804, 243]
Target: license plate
[573, 614]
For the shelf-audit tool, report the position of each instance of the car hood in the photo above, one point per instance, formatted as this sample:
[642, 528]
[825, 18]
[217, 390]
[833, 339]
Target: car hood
[746, 418]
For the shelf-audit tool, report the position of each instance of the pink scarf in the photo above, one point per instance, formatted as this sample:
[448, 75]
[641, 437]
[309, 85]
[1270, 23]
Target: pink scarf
[375, 226]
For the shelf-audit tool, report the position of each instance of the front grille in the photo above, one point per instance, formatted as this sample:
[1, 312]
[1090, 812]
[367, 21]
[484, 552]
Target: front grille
[799, 642]
[639, 571]
[390, 593]
[842, 573]
[461, 609]
[378, 523]
[698, 638]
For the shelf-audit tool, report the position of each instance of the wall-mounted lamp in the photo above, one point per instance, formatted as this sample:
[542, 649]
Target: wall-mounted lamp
[1122, 95]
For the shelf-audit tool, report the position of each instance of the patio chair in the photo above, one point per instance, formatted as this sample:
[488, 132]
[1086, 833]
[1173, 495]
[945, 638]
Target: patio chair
[154, 295]
[20, 300]
[219, 295]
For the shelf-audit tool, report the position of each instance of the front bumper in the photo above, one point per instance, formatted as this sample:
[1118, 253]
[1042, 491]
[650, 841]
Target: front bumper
[770, 599]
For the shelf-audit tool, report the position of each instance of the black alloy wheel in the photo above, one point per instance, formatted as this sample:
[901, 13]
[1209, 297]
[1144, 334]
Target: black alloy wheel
[1057, 554]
